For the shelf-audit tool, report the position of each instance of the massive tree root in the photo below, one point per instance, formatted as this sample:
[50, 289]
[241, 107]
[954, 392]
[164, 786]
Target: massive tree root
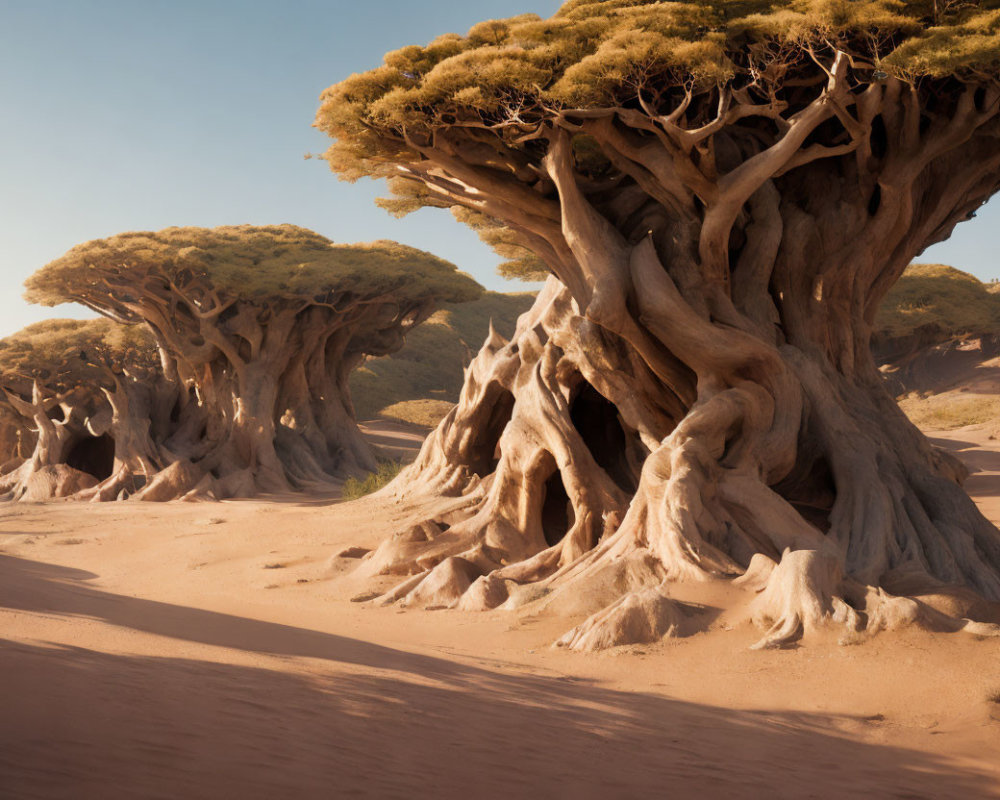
[587, 492]
[91, 443]
[59, 424]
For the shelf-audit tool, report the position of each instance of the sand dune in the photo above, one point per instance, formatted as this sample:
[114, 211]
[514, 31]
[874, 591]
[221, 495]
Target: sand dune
[209, 650]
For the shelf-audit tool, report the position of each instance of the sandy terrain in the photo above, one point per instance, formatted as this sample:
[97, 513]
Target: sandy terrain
[210, 650]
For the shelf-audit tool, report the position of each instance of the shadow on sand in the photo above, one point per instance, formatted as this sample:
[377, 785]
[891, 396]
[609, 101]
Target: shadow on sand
[333, 716]
[976, 457]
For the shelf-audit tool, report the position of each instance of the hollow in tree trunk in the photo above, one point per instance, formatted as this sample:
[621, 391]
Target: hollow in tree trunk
[693, 395]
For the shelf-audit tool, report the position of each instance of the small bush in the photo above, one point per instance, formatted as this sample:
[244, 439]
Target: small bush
[993, 697]
[426, 412]
[354, 488]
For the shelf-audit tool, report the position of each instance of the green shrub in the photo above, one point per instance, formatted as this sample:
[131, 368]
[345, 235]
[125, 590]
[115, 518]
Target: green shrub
[354, 488]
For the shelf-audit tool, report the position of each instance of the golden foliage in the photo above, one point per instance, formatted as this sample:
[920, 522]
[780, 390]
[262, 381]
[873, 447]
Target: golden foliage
[943, 50]
[68, 352]
[593, 53]
[506, 76]
[262, 264]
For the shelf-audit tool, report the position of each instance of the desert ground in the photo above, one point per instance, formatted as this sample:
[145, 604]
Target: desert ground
[189, 650]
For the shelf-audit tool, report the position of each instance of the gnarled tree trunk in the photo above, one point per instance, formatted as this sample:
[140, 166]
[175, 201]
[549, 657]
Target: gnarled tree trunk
[592, 485]
[695, 397]
[52, 469]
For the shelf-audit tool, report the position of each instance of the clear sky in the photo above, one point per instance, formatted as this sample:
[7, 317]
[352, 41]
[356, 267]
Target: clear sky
[138, 114]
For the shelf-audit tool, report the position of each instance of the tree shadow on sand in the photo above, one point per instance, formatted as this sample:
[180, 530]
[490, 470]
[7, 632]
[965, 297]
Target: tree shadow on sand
[368, 720]
[976, 457]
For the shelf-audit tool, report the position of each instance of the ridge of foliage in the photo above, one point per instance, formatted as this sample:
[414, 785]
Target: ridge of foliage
[64, 353]
[505, 76]
[254, 263]
[418, 382]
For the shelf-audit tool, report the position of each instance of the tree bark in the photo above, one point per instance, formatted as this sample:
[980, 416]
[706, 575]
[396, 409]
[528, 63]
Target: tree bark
[58, 422]
[714, 286]
[570, 466]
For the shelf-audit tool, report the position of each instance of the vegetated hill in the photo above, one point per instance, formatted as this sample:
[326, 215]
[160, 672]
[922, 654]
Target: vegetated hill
[937, 342]
[421, 382]
[936, 301]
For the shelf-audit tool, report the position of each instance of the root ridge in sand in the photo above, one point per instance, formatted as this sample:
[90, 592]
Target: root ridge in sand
[564, 483]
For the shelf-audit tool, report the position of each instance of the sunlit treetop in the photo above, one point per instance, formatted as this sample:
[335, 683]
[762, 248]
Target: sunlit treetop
[260, 265]
[66, 353]
[679, 62]
[598, 52]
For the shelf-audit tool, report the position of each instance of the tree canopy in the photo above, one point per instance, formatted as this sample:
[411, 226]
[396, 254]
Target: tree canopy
[241, 262]
[681, 70]
[65, 353]
[595, 53]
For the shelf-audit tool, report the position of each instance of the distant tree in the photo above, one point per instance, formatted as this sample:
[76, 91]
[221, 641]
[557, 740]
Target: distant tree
[89, 396]
[723, 191]
[261, 326]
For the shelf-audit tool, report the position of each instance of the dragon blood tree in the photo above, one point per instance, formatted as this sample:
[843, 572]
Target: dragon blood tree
[260, 327]
[90, 404]
[722, 192]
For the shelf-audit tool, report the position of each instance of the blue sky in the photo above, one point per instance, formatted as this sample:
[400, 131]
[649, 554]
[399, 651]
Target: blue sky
[138, 114]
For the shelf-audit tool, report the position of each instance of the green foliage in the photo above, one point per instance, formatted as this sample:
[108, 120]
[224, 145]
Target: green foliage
[387, 470]
[61, 353]
[247, 262]
[430, 366]
[938, 298]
